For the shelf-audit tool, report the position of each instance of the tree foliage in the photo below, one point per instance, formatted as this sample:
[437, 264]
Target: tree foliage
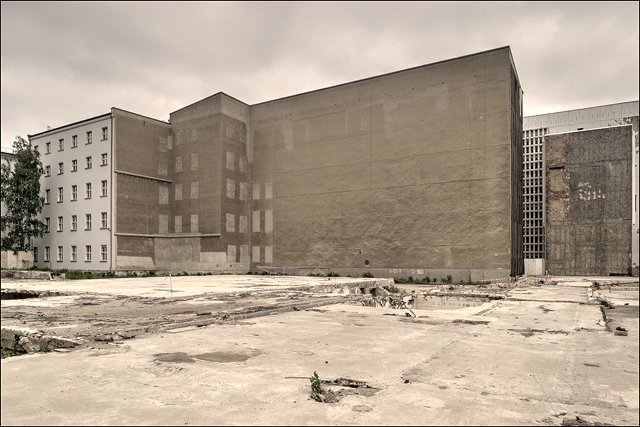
[20, 193]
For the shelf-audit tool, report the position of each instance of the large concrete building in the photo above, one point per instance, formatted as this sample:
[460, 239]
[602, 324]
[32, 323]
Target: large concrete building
[417, 172]
[535, 132]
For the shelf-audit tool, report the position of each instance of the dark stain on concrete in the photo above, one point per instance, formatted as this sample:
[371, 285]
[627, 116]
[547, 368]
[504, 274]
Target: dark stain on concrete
[222, 357]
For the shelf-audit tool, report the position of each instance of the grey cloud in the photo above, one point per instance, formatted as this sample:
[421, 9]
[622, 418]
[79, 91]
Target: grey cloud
[63, 62]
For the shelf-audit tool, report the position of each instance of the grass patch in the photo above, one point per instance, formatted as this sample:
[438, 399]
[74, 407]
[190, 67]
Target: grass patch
[392, 289]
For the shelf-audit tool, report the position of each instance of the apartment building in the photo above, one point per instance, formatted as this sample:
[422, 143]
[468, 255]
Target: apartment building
[535, 131]
[77, 190]
[416, 172]
[8, 157]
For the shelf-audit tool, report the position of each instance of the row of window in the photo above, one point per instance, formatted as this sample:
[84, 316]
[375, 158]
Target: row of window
[74, 254]
[74, 165]
[104, 223]
[533, 231]
[531, 157]
[536, 132]
[104, 192]
[74, 141]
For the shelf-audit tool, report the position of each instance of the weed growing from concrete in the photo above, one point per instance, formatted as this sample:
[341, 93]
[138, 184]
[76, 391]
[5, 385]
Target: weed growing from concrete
[315, 383]
[392, 289]
[367, 275]
[315, 274]
[332, 274]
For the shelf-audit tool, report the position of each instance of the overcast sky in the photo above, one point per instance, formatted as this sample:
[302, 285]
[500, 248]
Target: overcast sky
[65, 62]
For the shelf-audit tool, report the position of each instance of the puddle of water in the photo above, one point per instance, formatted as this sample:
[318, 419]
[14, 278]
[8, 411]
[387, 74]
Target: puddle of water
[432, 302]
[222, 357]
[218, 357]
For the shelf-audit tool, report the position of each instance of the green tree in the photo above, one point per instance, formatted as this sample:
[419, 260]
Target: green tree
[20, 193]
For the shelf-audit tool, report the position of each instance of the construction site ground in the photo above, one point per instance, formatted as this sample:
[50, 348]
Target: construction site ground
[241, 350]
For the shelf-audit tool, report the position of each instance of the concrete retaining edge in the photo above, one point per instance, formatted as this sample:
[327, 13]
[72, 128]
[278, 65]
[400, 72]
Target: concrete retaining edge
[21, 274]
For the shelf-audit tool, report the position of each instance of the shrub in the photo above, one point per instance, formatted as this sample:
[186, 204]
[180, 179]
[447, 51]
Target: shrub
[367, 275]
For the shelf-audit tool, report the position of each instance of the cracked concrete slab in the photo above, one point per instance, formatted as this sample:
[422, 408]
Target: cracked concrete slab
[505, 362]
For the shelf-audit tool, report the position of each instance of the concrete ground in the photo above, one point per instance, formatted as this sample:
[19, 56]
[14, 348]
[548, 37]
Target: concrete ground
[539, 355]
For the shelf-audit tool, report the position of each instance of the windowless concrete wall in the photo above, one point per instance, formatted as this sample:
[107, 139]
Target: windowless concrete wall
[415, 172]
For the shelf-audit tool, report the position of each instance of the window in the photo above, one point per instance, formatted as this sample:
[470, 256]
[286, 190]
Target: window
[74, 165]
[74, 192]
[60, 224]
[47, 254]
[47, 171]
[104, 220]
[74, 253]
[105, 133]
[35, 254]
[48, 146]
[74, 141]
[88, 192]
[61, 144]
[88, 222]
[60, 195]
[89, 135]
[87, 253]
[104, 159]
[47, 224]
[88, 163]
[47, 196]
[104, 188]
[60, 168]
[74, 222]
[103, 253]
[60, 254]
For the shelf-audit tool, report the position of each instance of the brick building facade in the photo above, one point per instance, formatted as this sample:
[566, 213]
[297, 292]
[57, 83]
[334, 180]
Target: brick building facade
[417, 172]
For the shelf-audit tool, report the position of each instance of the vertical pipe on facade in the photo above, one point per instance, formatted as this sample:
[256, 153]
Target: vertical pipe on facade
[111, 196]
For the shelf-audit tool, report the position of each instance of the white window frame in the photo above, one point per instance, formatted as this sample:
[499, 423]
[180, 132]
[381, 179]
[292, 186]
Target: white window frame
[74, 222]
[35, 254]
[60, 254]
[105, 134]
[47, 171]
[47, 253]
[103, 253]
[87, 223]
[87, 253]
[48, 148]
[74, 253]
[47, 223]
[104, 189]
[87, 194]
[88, 163]
[89, 137]
[60, 168]
[104, 159]
[61, 144]
[47, 197]
[74, 141]
[60, 223]
[103, 219]
[60, 194]
[74, 165]
[74, 192]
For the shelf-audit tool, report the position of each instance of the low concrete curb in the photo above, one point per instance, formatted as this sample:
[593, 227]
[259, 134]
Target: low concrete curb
[24, 340]
[20, 274]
